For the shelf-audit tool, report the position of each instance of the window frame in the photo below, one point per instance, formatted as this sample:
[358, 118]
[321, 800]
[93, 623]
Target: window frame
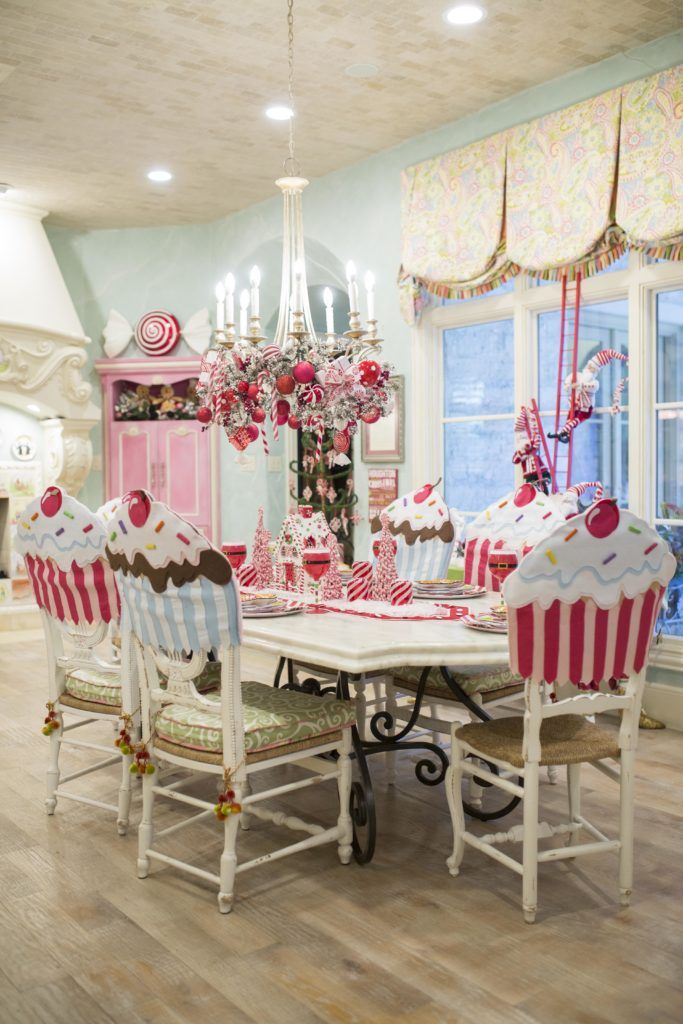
[638, 284]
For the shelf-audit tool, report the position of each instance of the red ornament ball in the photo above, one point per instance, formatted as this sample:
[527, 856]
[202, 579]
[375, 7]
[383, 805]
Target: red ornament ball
[242, 387]
[281, 418]
[51, 502]
[602, 519]
[139, 507]
[258, 415]
[340, 441]
[369, 372]
[204, 414]
[282, 406]
[371, 416]
[303, 372]
[294, 422]
[252, 431]
[230, 396]
[285, 384]
[252, 392]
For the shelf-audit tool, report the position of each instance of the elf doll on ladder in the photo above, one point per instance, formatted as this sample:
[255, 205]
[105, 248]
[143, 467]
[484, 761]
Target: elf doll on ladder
[585, 388]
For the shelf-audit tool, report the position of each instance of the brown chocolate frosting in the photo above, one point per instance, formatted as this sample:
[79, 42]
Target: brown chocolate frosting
[213, 565]
[445, 532]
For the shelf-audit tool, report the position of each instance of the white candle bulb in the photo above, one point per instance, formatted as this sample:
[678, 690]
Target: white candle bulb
[255, 281]
[298, 290]
[244, 306]
[370, 289]
[230, 298]
[220, 305]
[329, 311]
[353, 286]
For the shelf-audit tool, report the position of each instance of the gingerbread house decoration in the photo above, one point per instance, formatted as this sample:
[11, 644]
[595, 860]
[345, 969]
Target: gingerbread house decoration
[301, 530]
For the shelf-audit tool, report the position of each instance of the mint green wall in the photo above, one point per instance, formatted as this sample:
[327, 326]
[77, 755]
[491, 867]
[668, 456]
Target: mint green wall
[350, 214]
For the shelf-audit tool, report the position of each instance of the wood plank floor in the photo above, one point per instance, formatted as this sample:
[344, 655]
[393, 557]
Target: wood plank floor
[83, 941]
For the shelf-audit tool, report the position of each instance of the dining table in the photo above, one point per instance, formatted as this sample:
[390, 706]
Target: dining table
[351, 647]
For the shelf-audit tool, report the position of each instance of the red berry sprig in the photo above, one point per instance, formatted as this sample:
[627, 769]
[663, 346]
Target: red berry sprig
[142, 764]
[226, 800]
[51, 720]
[123, 740]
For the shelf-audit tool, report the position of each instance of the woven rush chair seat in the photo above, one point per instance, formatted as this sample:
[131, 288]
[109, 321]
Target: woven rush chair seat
[272, 719]
[491, 683]
[565, 739]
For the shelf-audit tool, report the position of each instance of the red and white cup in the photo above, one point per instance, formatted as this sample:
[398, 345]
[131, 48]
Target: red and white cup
[401, 592]
[305, 511]
[358, 589]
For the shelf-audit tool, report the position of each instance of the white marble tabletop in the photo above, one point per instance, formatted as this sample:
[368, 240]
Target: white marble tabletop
[350, 643]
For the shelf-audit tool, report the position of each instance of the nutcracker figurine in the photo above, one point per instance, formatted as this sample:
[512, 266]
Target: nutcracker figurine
[585, 388]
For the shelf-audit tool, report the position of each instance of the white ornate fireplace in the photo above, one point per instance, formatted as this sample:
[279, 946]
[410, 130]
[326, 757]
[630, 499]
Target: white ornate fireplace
[43, 349]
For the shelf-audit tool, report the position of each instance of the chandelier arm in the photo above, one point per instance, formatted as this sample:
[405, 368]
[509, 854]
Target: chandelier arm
[282, 328]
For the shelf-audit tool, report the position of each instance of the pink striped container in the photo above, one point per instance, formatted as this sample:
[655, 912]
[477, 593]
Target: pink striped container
[401, 592]
[477, 553]
[581, 642]
[247, 575]
[358, 588]
[362, 570]
[81, 594]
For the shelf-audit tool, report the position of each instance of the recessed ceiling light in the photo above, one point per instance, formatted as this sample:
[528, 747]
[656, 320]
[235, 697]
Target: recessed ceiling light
[33, 408]
[464, 14]
[361, 70]
[4, 188]
[279, 113]
[159, 175]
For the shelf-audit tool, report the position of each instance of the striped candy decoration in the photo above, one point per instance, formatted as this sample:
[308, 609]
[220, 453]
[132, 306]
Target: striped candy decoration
[579, 489]
[580, 642]
[81, 594]
[362, 570]
[401, 592]
[157, 333]
[240, 439]
[358, 588]
[477, 553]
[312, 394]
[247, 575]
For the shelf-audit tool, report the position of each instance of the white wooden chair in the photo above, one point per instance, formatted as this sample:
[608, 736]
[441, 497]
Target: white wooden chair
[63, 547]
[232, 735]
[581, 612]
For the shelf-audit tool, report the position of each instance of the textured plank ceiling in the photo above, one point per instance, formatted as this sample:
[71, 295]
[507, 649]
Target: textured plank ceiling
[93, 93]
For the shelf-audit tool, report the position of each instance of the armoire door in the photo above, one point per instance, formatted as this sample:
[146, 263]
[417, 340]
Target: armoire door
[184, 471]
[132, 458]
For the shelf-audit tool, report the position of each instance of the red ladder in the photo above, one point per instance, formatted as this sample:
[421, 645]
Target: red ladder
[567, 364]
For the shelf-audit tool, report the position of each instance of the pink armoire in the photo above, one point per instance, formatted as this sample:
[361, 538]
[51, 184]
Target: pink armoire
[173, 459]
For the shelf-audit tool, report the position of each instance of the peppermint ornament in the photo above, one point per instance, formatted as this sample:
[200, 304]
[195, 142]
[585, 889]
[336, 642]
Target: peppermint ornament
[157, 333]
[401, 592]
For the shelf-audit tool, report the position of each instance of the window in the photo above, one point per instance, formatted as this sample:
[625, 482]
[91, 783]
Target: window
[669, 445]
[476, 362]
[478, 412]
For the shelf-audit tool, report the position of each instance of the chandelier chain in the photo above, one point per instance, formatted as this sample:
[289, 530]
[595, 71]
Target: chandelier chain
[291, 164]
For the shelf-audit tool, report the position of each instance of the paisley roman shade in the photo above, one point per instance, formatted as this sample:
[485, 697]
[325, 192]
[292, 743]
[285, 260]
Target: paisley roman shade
[564, 193]
[650, 194]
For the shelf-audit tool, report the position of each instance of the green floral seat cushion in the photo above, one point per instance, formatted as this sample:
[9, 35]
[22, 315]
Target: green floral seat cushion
[475, 680]
[95, 686]
[272, 718]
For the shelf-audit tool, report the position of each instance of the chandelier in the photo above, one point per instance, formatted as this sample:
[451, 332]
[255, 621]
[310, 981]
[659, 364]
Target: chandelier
[304, 379]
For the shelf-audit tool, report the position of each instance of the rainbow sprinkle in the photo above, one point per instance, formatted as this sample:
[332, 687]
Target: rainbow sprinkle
[59, 532]
[545, 515]
[634, 529]
[390, 509]
[551, 556]
[159, 527]
[609, 558]
[488, 514]
[123, 526]
[151, 547]
[69, 515]
[88, 528]
[651, 548]
[182, 537]
[503, 504]
[519, 517]
[112, 535]
[27, 526]
[430, 503]
[34, 516]
[570, 535]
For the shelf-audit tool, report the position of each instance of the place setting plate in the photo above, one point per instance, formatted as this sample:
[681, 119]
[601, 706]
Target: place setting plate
[487, 622]
[444, 589]
[267, 606]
